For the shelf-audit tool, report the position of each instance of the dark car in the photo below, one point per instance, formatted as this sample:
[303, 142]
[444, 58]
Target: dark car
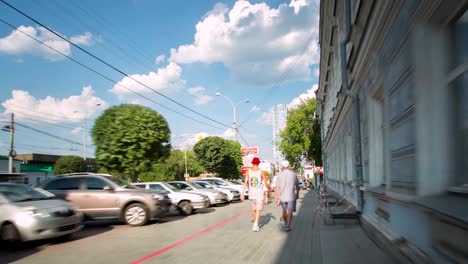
[101, 196]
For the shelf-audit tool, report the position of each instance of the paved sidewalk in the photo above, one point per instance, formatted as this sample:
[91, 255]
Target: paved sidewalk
[312, 241]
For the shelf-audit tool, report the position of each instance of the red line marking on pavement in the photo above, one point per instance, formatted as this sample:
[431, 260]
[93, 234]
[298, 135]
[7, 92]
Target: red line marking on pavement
[187, 239]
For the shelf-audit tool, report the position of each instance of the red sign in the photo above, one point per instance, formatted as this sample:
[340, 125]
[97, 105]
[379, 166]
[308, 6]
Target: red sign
[249, 150]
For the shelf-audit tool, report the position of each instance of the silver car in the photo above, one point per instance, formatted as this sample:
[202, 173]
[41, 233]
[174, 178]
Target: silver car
[184, 201]
[232, 194]
[28, 213]
[225, 183]
[216, 197]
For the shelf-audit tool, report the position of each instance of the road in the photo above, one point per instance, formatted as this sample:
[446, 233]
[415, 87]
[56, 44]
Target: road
[220, 234]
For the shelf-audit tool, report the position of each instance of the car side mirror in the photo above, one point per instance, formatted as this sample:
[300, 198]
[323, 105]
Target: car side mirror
[189, 188]
[108, 188]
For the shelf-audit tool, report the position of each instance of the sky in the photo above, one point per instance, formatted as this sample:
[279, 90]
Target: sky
[170, 56]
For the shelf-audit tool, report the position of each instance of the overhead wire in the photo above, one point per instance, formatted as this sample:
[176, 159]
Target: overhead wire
[48, 134]
[282, 77]
[111, 66]
[107, 78]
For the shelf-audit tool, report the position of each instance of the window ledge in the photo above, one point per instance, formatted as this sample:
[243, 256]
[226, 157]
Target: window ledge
[463, 189]
[448, 205]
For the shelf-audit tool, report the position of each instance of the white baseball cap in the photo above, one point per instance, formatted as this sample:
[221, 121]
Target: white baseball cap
[285, 164]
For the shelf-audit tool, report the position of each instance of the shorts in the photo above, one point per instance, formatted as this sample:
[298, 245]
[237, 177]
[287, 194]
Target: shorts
[289, 206]
[256, 205]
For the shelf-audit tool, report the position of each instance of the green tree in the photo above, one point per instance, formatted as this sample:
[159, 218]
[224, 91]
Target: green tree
[69, 164]
[220, 156]
[301, 136]
[173, 168]
[130, 139]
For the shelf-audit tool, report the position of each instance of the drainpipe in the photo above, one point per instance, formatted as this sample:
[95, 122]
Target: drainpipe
[322, 141]
[355, 119]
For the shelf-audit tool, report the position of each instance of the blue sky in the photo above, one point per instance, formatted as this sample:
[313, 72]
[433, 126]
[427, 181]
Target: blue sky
[266, 52]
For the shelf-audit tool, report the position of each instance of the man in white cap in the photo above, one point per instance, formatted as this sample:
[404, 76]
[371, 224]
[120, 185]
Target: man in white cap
[287, 192]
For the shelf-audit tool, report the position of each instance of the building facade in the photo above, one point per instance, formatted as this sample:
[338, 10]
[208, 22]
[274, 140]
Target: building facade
[393, 100]
[280, 114]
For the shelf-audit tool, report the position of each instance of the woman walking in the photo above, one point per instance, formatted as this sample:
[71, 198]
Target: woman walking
[254, 180]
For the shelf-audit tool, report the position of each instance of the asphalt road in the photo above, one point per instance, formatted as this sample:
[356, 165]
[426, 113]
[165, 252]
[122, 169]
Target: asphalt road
[214, 235]
[219, 234]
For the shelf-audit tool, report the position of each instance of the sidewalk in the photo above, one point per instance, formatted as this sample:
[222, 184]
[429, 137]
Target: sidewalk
[312, 241]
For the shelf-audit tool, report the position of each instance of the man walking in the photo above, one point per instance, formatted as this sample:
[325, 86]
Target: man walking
[286, 184]
[254, 179]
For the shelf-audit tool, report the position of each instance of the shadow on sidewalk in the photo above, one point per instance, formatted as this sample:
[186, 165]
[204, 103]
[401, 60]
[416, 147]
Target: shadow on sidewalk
[312, 241]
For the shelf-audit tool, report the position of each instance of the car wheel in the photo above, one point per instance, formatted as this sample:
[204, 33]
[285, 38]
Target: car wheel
[185, 208]
[136, 214]
[10, 235]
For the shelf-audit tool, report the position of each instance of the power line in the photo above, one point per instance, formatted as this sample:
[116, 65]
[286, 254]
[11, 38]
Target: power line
[107, 78]
[111, 66]
[48, 134]
[42, 113]
[282, 77]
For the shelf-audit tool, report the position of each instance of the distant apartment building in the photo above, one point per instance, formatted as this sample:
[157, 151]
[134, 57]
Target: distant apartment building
[280, 114]
[393, 100]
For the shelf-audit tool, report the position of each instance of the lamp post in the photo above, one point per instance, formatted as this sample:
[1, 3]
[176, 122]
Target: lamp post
[234, 107]
[85, 126]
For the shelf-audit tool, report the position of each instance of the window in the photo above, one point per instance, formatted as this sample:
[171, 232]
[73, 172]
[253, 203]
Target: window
[458, 79]
[95, 183]
[38, 180]
[63, 184]
[26, 180]
[157, 187]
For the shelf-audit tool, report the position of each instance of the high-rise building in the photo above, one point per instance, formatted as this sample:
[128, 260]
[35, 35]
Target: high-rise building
[280, 113]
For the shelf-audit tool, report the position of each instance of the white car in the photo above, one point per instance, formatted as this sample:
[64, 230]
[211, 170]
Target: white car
[185, 201]
[225, 183]
[216, 197]
[232, 194]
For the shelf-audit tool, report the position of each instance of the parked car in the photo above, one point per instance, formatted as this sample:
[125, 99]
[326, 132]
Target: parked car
[101, 196]
[216, 197]
[28, 213]
[232, 194]
[225, 183]
[185, 201]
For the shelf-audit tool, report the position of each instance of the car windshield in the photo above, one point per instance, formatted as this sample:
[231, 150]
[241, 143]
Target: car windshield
[219, 183]
[121, 183]
[235, 182]
[172, 188]
[195, 185]
[19, 193]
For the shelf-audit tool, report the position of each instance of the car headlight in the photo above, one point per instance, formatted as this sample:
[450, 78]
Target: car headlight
[158, 196]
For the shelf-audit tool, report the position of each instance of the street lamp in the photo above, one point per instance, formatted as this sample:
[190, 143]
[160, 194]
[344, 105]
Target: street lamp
[85, 125]
[234, 107]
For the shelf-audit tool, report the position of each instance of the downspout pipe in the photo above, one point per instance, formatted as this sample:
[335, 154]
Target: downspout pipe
[322, 143]
[356, 129]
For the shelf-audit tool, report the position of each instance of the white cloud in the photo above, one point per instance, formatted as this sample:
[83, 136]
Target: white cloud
[254, 109]
[54, 110]
[303, 97]
[255, 42]
[200, 97]
[76, 131]
[160, 59]
[266, 118]
[18, 43]
[317, 72]
[164, 79]
[85, 39]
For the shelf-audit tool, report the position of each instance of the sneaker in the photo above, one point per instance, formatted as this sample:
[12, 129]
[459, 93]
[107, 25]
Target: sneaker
[255, 228]
[287, 228]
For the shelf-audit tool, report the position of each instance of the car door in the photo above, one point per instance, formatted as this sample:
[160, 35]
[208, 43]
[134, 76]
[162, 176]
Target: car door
[66, 188]
[99, 200]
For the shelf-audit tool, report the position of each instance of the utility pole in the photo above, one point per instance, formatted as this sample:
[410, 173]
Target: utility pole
[186, 175]
[85, 123]
[12, 153]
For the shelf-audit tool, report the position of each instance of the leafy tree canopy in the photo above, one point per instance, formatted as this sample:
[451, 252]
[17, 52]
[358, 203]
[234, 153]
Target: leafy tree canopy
[130, 139]
[220, 156]
[301, 136]
[69, 164]
[173, 168]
